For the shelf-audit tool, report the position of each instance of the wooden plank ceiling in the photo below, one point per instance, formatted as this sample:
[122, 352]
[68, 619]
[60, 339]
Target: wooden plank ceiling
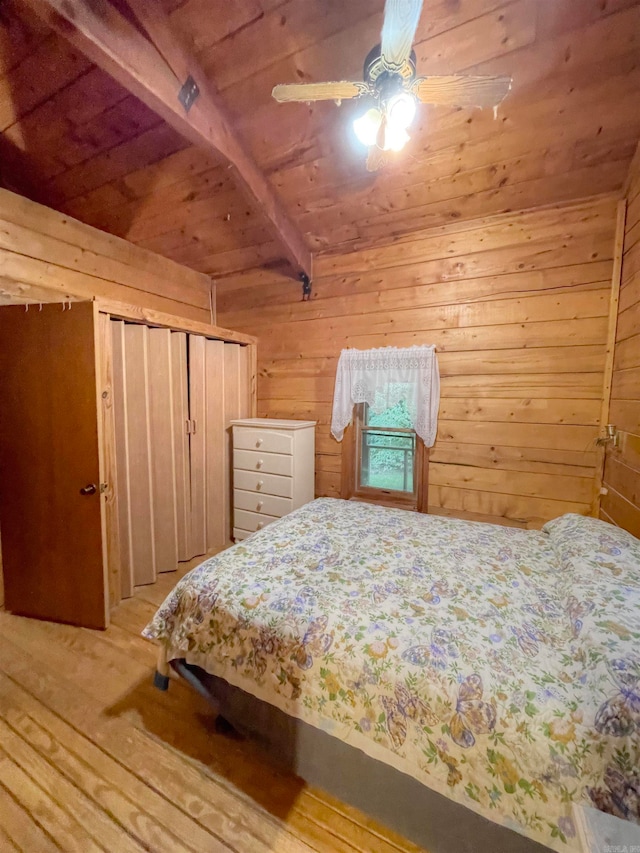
[75, 139]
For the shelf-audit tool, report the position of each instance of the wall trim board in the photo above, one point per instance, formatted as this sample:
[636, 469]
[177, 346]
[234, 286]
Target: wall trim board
[123, 311]
[620, 504]
[614, 300]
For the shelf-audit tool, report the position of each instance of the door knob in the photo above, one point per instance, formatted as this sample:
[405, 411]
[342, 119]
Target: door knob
[90, 489]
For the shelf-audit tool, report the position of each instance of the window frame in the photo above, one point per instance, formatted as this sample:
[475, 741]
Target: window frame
[351, 467]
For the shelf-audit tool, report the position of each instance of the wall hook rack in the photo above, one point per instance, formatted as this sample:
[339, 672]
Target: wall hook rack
[306, 287]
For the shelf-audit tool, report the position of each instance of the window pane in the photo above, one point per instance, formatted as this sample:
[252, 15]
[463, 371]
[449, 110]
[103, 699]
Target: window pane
[396, 416]
[387, 460]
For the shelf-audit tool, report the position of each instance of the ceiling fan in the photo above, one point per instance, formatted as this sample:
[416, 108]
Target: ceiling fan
[391, 90]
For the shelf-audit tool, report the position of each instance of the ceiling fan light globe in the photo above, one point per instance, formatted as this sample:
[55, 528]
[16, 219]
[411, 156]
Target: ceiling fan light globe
[401, 110]
[367, 126]
[395, 138]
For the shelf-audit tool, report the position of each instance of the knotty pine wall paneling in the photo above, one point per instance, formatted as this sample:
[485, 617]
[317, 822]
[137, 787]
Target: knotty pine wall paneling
[517, 306]
[46, 256]
[621, 504]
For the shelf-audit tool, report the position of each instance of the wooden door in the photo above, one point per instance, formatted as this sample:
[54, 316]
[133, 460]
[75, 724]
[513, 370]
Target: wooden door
[50, 508]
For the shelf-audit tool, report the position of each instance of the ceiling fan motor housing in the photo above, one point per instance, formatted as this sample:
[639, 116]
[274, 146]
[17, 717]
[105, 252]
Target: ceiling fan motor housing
[375, 69]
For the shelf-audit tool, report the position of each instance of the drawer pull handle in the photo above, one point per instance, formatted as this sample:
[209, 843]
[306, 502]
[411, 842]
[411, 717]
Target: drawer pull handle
[258, 442]
[259, 463]
[259, 484]
[259, 505]
[260, 525]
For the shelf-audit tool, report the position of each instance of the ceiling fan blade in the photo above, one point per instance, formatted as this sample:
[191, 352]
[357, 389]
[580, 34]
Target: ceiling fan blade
[305, 92]
[398, 30]
[458, 91]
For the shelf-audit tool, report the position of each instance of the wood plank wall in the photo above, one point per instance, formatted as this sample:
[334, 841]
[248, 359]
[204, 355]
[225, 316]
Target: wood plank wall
[621, 504]
[46, 256]
[517, 306]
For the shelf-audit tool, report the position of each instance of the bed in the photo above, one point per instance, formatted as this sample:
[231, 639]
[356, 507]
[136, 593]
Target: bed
[496, 667]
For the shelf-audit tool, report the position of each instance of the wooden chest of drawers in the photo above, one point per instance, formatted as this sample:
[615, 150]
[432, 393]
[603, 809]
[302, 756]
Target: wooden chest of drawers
[273, 471]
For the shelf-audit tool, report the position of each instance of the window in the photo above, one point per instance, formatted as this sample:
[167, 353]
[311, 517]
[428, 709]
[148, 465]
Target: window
[384, 460]
[387, 450]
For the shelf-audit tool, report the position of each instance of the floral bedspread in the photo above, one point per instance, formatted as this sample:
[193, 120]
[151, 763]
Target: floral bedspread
[500, 667]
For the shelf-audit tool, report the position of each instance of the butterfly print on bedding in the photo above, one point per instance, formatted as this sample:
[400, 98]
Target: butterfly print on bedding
[437, 654]
[620, 715]
[546, 607]
[302, 601]
[316, 641]
[620, 796]
[263, 646]
[473, 715]
[576, 610]
[380, 593]
[366, 677]
[403, 707]
[609, 545]
[437, 590]
[527, 638]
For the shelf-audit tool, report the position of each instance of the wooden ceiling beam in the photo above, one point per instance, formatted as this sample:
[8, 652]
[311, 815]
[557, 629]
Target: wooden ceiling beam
[155, 73]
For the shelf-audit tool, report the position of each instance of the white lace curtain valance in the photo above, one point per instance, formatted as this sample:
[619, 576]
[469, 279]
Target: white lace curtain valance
[384, 377]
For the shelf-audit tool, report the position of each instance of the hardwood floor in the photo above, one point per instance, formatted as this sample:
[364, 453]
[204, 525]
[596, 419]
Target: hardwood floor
[94, 758]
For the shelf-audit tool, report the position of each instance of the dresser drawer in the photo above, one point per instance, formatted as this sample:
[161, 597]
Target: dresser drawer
[267, 463]
[267, 504]
[267, 484]
[239, 535]
[265, 440]
[251, 521]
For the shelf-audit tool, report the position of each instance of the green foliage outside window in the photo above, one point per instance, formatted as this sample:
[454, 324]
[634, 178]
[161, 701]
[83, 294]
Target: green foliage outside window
[386, 454]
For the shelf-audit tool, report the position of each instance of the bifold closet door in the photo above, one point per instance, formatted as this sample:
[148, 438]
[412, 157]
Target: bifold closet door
[162, 427]
[150, 409]
[122, 455]
[180, 384]
[133, 451]
[206, 377]
[220, 391]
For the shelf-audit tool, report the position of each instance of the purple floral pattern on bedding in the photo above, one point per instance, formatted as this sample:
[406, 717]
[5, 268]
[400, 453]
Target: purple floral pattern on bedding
[498, 666]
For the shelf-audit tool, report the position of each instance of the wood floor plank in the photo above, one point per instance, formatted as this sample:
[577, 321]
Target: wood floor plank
[68, 834]
[157, 821]
[25, 833]
[95, 822]
[176, 777]
[83, 705]
[6, 843]
[109, 784]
